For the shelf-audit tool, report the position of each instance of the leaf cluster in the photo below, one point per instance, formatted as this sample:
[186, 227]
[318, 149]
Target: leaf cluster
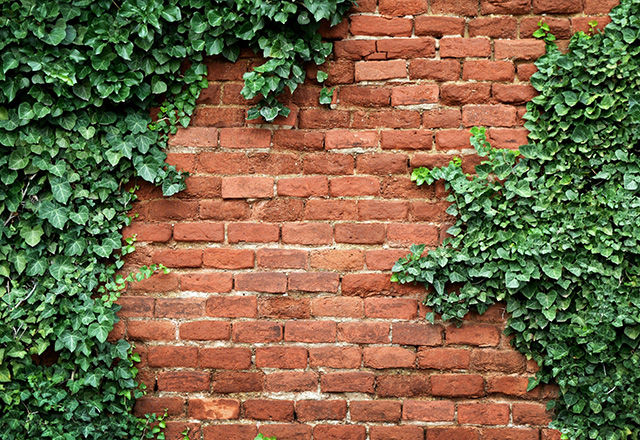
[553, 232]
[77, 80]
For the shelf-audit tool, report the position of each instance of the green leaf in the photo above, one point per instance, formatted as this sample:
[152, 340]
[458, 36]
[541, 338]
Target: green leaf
[61, 190]
[100, 330]
[171, 13]
[32, 235]
[57, 215]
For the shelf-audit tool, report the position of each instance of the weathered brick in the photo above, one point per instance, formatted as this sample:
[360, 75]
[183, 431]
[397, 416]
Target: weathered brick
[416, 334]
[257, 331]
[335, 357]
[317, 209]
[489, 115]
[391, 308]
[445, 359]
[458, 7]
[222, 258]
[453, 140]
[183, 381]
[386, 119]
[494, 27]
[454, 94]
[308, 410]
[366, 284]
[382, 210]
[351, 382]
[205, 330]
[380, 70]
[269, 282]
[155, 232]
[225, 432]
[414, 95]
[135, 306]
[531, 414]
[517, 94]
[456, 47]
[396, 433]
[388, 357]
[284, 308]
[473, 334]
[245, 138]
[436, 70]
[224, 210]
[310, 331]
[226, 382]
[381, 26]
[174, 406]
[281, 357]
[406, 7]
[247, 187]
[428, 410]
[375, 410]
[354, 49]
[498, 360]
[151, 330]
[510, 434]
[303, 186]
[201, 231]
[307, 233]
[359, 96]
[483, 413]
[179, 307]
[291, 381]
[225, 358]
[454, 433]
[485, 70]
[171, 356]
[314, 282]
[364, 332]
[364, 233]
[253, 232]
[457, 385]
[402, 385]
[407, 140]
[557, 6]
[407, 47]
[299, 140]
[261, 409]
[525, 49]
[214, 409]
[337, 259]
[438, 27]
[516, 7]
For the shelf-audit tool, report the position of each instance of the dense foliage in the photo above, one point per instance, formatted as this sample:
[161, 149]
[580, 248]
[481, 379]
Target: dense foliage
[77, 81]
[555, 233]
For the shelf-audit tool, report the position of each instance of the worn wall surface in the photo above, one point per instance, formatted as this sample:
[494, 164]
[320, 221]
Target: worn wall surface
[278, 315]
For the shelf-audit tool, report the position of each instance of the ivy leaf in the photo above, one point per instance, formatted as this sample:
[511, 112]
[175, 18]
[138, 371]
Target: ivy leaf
[58, 33]
[68, 340]
[57, 215]
[100, 330]
[33, 235]
[171, 13]
[61, 190]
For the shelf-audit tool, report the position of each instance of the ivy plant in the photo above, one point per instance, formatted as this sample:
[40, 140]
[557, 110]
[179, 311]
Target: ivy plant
[77, 81]
[553, 231]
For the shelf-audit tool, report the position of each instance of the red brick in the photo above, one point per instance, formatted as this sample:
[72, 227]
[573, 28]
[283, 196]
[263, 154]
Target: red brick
[482, 335]
[381, 26]
[307, 233]
[226, 432]
[308, 410]
[485, 70]
[153, 232]
[391, 308]
[151, 330]
[329, 164]
[247, 187]
[511, 138]
[406, 7]
[337, 259]
[442, 118]
[179, 307]
[599, 6]
[341, 139]
[380, 70]
[436, 70]
[351, 382]
[158, 405]
[253, 232]
[402, 385]
[206, 282]
[183, 381]
[525, 49]
[161, 210]
[339, 432]
[583, 23]
[359, 96]
[407, 140]
[140, 307]
[205, 331]
[375, 410]
[454, 94]
[445, 359]
[550, 434]
[269, 282]
[278, 210]
[258, 409]
[218, 117]
[183, 161]
[364, 233]
[214, 409]
[282, 258]
[364, 332]
[285, 308]
[303, 186]
[428, 410]
[402, 187]
[414, 95]
[245, 138]
[171, 356]
[157, 283]
[344, 307]
[354, 49]
[310, 331]
[435, 433]
[453, 140]
[557, 6]
[314, 282]
[335, 357]
[386, 119]
[291, 382]
[221, 258]
[281, 357]
[498, 360]
[407, 47]
[389, 357]
[382, 210]
[194, 137]
[227, 382]
[350, 186]
[510, 434]
[489, 115]
[458, 7]
[531, 414]
[381, 163]
[396, 433]
[483, 413]
[509, 385]
[439, 26]
[231, 95]
[515, 7]
[257, 331]
[560, 27]
[324, 119]
[299, 140]
[286, 431]
[328, 210]
[223, 358]
[514, 93]
[384, 259]
[174, 430]
[366, 284]
[406, 234]
[223, 163]
[224, 209]
[222, 70]
[457, 385]
[456, 47]
[494, 27]
[201, 231]
[178, 257]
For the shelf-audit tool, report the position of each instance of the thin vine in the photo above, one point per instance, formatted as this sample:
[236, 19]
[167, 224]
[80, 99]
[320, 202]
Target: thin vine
[77, 81]
[554, 231]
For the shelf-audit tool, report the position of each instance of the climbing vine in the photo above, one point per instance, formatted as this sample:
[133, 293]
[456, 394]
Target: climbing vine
[77, 81]
[553, 230]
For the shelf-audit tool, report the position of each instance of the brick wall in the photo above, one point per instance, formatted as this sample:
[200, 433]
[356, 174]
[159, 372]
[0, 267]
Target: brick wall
[278, 315]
